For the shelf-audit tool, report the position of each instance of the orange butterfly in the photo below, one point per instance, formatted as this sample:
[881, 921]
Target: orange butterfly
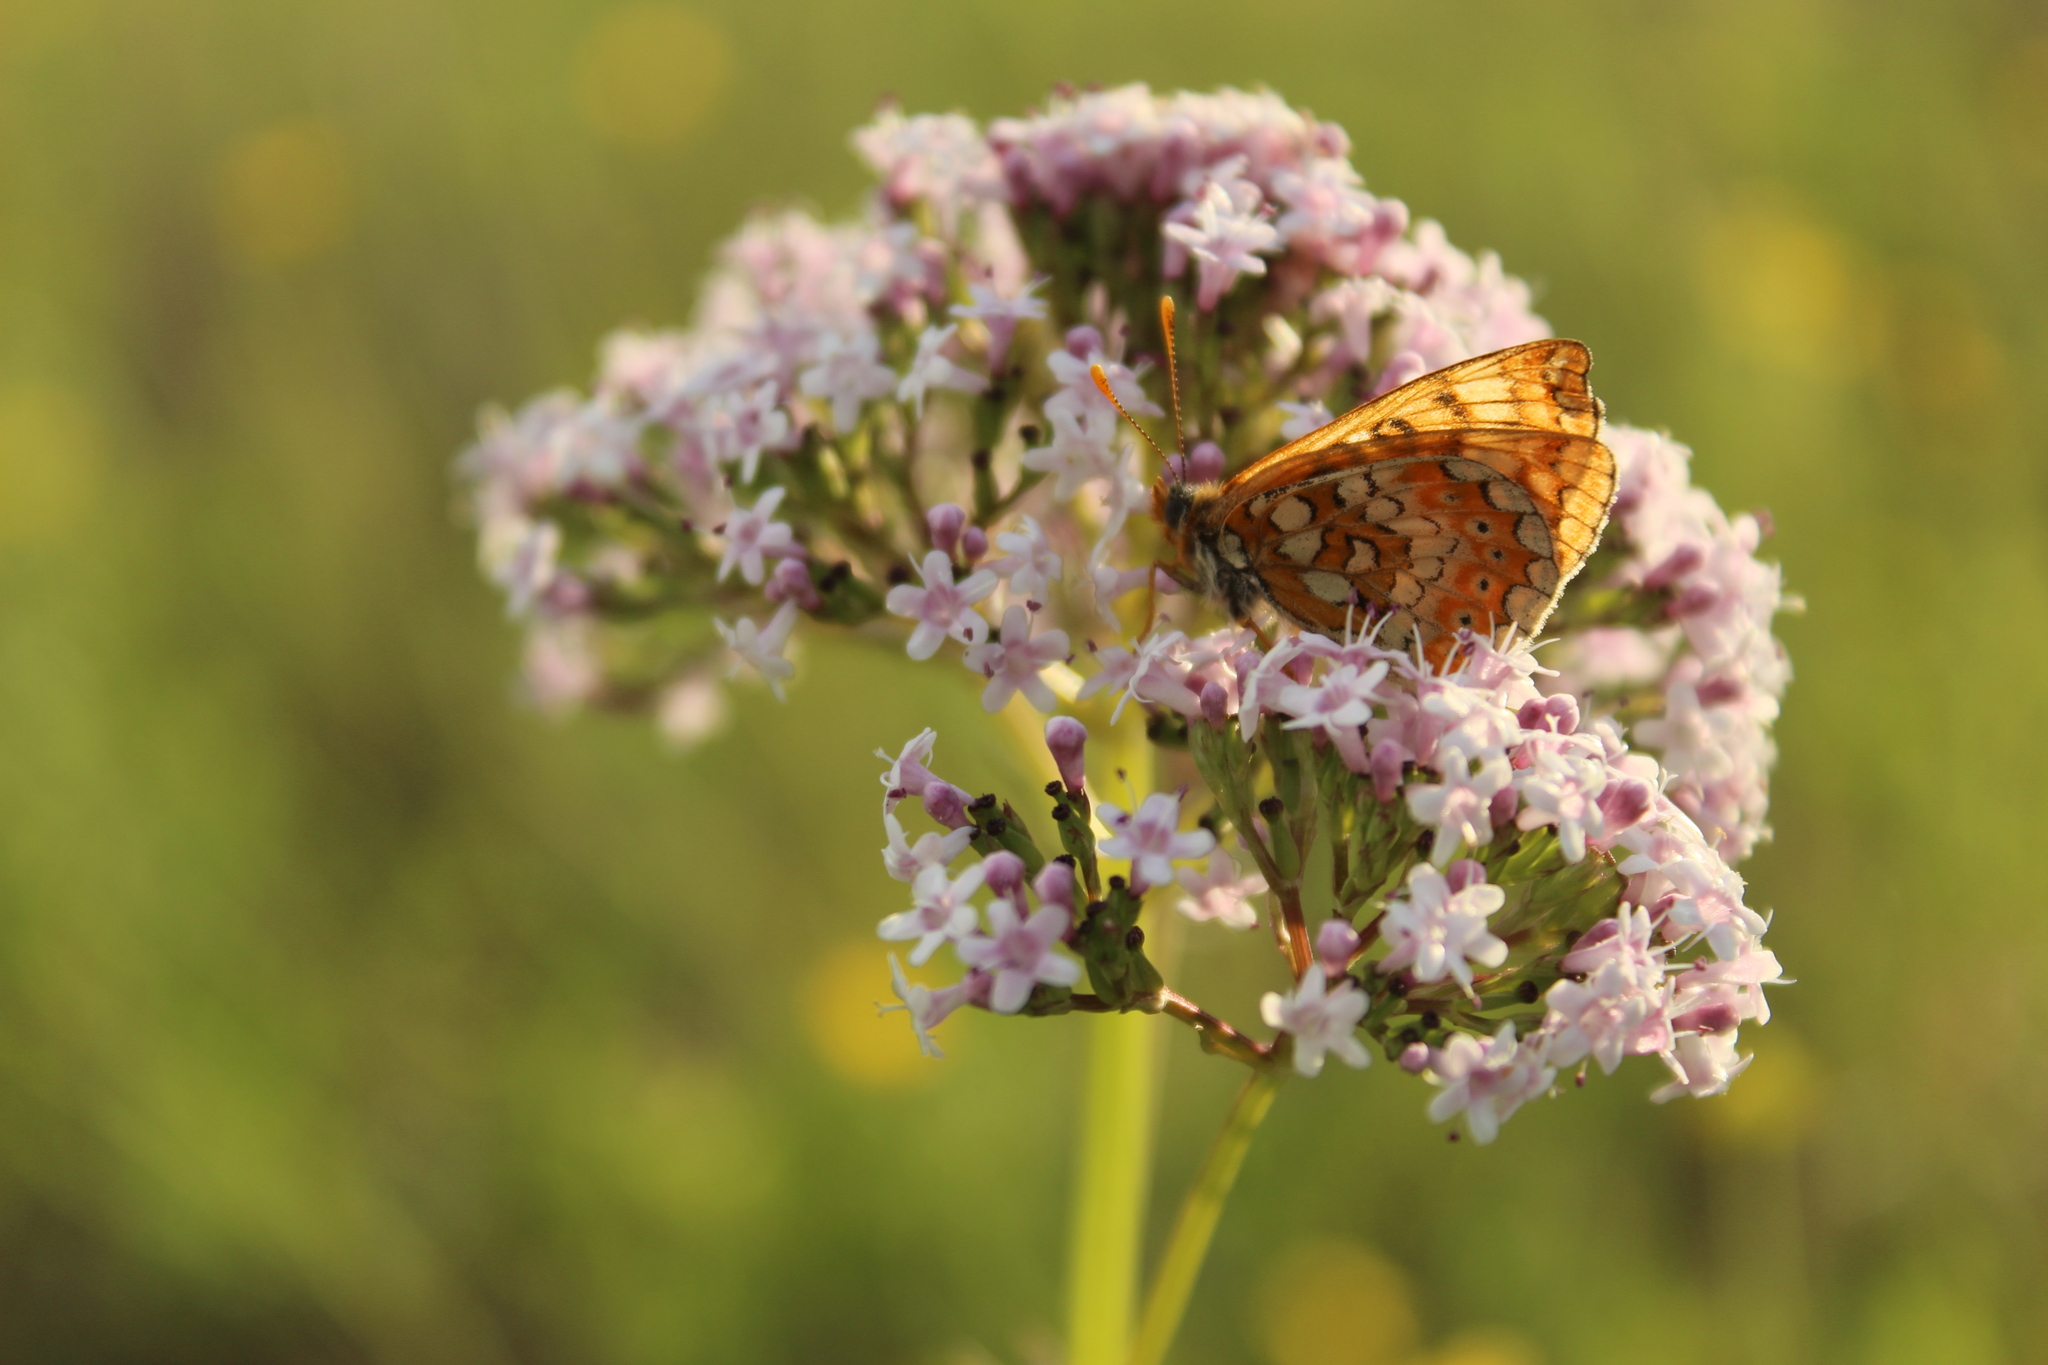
[1466, 499]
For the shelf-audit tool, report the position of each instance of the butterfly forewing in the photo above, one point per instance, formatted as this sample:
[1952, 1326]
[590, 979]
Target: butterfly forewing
[1465, 500]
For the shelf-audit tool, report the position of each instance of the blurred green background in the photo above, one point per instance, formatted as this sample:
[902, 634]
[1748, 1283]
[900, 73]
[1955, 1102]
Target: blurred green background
[351, 1012]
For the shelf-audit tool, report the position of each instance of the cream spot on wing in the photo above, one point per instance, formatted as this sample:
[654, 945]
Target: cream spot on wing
[1508, 497]
[1533, 534]
[1383, 509]
[1354, 490]
[1291, 514]
[1543, 576]
[1231, 547]
[1466, 471]
[1406, 590]
[1398, 632]
[1427, 570]
[1301, 547]
[1432, 547]
[1331, 587]
[1365, 556]
[1415, 528]
[1526, 605]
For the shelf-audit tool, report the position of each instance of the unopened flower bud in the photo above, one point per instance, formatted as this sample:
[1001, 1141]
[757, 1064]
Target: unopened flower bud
[1388, 758]
[973, 543]
[1676, 565]
[1215, 704]
[1464, 873]
[1003, 872]
[1714, 1017]
[791, 582]
[1055, 884]
[945, 523]
[1067, 738]
[946, 804]
[1697, 598]
[1205, 462]
[1623, 803]
[1559, 714]
[1083, 341]
[1336, 941]
[1720, 689]
[1415, 1058]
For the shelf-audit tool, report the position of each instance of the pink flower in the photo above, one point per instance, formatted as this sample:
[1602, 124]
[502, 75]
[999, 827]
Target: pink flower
[941, 607]
[760, 647]
[941, 911]
[1219, 891]
[1459, 807]
[930, 369]
[1321, 1020]
[1081, 450]
[1438, 928]
[736, 426]
[1701, 1064]
[1020, 953]
[749, 535]
[1488, 1083]
[1563, 790]
[941, 159]
[1013, 661]
[904, 860]
[1302, 418]
[1338, 706]
[1151, 838]
[1620, 1009]
[849, 372]
[907, 774]
[1000, 314]
[1226, 237]
[1028, 560]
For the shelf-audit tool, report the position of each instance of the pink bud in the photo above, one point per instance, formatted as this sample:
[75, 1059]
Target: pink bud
[791, 582]
[1697, 598]
[1004, 872]
[1463, 873]
[1067, 738]
[973, 543]
[1721, 689]
[1623, 803]
[1559, 714]
[1675, 566]
[945, 522]
[1501, 810]
[1387, 760]
[1336, 941]
[1205, 462]
[1715, 1016]
[946, 804]
[1215, 704]
[1055, 885]
[1415, 1058]
[1083, 342]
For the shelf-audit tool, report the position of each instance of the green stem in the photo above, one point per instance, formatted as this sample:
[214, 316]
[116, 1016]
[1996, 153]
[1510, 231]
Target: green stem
[1189, 1244]
[1118, 1111]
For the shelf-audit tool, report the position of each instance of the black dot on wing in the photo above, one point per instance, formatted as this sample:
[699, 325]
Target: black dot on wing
[1485, 584]
[1464, 618]
[1484, 528]
[1499, 553]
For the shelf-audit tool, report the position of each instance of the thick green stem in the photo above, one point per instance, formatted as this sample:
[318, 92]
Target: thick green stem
[1114, 1170]
[1189, 1246]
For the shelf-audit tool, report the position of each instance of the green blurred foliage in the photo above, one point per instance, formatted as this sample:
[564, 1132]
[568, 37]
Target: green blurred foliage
[350, 1012]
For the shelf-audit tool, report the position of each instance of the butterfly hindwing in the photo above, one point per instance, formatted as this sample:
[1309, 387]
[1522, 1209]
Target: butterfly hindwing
[1466, 527]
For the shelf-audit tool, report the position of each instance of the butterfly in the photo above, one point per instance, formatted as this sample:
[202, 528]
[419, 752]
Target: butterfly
[1464, 500]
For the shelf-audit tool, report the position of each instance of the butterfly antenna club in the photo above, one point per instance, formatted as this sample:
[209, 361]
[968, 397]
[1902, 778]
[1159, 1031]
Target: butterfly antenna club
[1180, 437]
[1102, 382]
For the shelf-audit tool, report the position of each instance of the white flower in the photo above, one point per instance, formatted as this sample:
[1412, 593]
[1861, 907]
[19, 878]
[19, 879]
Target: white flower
[1151, 838]
[1224, 235]
[1001, 314]
[1459, 806]
[749, 535]
[930, 369]
[1439, 928]
[1028, 562]
[1702, 1064]
[760, 647]
[941, 909]
[734, 427]
[1081, 451]
[907, 774]
[1486, 1084]
[904, 860]
[1218, 891]
[917, 1002]
[1320, 1022]
[691, 709]
[520, 557]
[1020, 953]
[942, 607]
[1337, 705]
[1302, 418]
[849, 372]
[1013, 661]
[1562, 790]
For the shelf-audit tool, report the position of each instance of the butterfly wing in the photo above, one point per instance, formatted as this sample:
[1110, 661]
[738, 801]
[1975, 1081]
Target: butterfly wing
[1465, 500]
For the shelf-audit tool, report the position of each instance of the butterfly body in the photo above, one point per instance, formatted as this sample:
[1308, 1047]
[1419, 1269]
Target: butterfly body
[1465, 500]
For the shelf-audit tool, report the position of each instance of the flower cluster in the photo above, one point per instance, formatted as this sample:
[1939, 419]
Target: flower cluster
[894, 425]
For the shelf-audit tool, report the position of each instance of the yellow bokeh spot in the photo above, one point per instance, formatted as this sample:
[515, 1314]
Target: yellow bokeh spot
[1332, 1301]
[49, 461]
[284, 193]
[865, 1047]
[1785, 289]
[651, 74]
[1484, 1346]
[1772, 1104]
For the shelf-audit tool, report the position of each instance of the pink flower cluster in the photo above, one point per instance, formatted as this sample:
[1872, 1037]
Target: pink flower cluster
[1713, 670]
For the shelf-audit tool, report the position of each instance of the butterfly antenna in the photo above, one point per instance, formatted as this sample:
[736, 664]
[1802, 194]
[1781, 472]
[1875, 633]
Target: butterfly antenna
[1102, 382]
[1180, 438]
